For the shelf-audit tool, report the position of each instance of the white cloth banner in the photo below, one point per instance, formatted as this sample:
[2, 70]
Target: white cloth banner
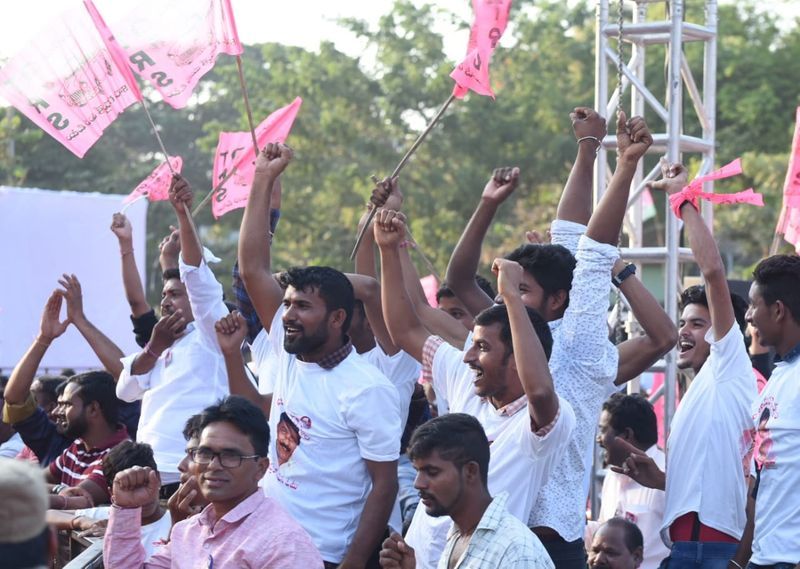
[44, 234]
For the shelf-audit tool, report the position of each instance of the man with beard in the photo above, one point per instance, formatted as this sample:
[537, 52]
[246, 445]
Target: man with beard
[342, 480]
[180, 371]
[451, 457]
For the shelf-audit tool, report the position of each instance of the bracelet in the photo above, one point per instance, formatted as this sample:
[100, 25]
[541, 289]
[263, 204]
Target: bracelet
[409, 244]
[629, 270]
[57, 488]
[148, 350]
[597, 140]
[735, 563]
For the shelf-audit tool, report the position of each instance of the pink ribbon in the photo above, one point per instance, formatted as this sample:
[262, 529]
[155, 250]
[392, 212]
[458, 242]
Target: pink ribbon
[693, 193]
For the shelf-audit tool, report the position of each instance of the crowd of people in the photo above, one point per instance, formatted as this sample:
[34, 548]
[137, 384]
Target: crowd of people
[337, 419]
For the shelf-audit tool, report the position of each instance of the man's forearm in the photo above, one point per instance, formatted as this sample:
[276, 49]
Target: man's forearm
[254, 250]
[106, 351]
[191, 249]
[19, 384]
[606, 221]
[463, 266]
[373, 523]
[240, 384]
[134, 291]
[398, 311]
[576, 200]
[144, 363]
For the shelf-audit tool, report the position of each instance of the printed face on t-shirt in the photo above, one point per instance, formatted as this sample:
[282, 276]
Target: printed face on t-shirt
[287, 439]
[693, 350]
[609, 551]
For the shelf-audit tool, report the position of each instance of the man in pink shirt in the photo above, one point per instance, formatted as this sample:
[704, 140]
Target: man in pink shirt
[239, 528]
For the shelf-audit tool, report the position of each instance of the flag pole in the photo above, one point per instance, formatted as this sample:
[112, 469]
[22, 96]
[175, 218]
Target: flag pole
[206, 199]
[247, 103]
[400, 166]
[171, 169]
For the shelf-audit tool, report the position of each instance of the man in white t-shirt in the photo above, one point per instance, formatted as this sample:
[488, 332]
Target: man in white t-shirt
[337, 473]
[180, 371]
[775, 313]
[630, 421]
[502, 374]
[710, 442]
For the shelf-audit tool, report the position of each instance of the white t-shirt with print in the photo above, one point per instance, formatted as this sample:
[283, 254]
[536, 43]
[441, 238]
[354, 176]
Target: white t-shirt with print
[341, 417]
[711, 438]
[777, 535]
[520, 461]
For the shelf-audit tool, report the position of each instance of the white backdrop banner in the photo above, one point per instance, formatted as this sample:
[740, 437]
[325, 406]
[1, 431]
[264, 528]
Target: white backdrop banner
[44, 234]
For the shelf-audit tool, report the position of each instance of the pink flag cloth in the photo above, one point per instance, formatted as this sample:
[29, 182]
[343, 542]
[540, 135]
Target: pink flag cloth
[156, 185]
[491, 18]
[235, 152]
[694, 191]
[789, 220]
[68, 82]
[430, 286]
[171, 45]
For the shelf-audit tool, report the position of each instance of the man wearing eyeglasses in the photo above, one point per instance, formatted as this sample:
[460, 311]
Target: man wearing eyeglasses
[240, 527]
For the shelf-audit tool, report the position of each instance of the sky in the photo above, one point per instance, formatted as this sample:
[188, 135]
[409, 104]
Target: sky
[298, 22]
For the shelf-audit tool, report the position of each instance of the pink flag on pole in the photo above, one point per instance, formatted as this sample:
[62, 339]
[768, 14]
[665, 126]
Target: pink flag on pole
[491, 18]
[67, 82]
[789, 220]
[430, 286]
[235, 152]
[156, 185]
[171, 45]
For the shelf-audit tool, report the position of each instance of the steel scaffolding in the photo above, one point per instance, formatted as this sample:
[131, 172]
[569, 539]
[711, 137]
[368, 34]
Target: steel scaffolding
[623, 25]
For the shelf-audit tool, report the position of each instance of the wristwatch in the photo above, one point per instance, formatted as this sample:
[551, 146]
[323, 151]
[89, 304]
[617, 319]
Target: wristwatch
[629, 270]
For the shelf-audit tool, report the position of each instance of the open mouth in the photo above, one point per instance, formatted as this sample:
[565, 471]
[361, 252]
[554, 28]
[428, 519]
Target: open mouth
[292, 331]
[477, 371]
[684, 346]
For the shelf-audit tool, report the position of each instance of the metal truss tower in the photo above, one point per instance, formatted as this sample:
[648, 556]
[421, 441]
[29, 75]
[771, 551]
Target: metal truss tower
[630, 27]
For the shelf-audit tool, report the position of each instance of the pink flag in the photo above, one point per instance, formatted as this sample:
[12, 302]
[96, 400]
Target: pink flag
[789, 220]
[491, 18]
[173, 44]
[156, 185]
[694, 191]
[430, 285]
[68, 82]
[235, 152]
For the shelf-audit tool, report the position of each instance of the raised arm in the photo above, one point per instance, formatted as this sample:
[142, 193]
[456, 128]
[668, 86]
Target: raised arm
[576, 200]
[637, 354]
[706, 252]
[463, 264]
[231, 332]
[180, 196]
[104, 348]
[134, 291]
[529, 356]
[254, 250]
[169, 250]
[633, 140]
[51, 327]
[404, 326]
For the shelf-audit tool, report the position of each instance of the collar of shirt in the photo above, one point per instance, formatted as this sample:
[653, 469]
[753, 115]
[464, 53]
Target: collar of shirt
[490, 520]
[510, 409]
[337, 356]
[241, 511]
[791, 355]
[120, 435]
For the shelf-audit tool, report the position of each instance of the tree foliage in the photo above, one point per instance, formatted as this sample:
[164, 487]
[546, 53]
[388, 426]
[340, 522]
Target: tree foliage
[360, 115]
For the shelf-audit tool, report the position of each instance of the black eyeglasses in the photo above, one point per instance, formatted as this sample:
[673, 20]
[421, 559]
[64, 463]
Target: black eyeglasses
[227, 458]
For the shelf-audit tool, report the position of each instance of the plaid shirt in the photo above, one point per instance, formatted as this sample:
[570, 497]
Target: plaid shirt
[499, 541]
[337, 356]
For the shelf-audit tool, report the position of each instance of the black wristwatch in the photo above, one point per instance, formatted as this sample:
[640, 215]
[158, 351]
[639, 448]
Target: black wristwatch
[629, 270]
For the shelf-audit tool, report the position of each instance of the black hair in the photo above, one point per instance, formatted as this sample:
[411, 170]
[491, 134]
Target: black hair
[284, 418]
[191, 430]
[127, 454]
[550, 265]
[98, 386]
[778, 278]
[170, 274]
[67, 372]
[633, 412]
[697, 295]
[243, 415]
[445, 291]
[331, 285]
[457, 437]
[50, 384]
[498, 314]
[631, 533]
